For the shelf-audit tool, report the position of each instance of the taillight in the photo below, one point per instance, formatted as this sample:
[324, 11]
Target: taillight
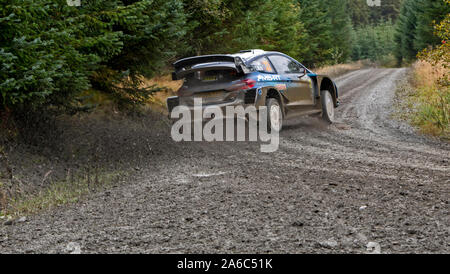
[248, 83]
[242, 85]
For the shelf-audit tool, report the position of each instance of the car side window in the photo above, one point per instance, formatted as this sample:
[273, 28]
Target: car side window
[294, 67]
[262, 65]
[284, 65]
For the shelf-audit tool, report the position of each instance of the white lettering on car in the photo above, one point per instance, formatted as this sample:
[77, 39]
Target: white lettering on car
[269, 77]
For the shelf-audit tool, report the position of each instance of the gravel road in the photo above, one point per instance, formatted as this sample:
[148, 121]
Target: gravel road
[366, 180]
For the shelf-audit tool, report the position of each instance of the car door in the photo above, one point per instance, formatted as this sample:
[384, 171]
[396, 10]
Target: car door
[299, 85]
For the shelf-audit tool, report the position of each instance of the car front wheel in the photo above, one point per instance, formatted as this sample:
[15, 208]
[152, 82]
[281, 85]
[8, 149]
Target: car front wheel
[274, 115]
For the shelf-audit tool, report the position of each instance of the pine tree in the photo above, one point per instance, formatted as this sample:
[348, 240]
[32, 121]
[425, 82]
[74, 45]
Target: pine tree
[415, 26]
[362, 15]
[405, 31]
[281, 30]
[51, 52]
[359, 12]
[318, 40]
[340, 30]
[429, 12]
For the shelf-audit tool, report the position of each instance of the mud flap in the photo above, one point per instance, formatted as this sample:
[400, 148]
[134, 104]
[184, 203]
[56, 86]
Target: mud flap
[261, 95]
[336, 104]
[172, 102]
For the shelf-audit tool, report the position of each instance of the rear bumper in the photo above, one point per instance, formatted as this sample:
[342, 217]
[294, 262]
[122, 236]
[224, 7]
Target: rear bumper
[174, 101]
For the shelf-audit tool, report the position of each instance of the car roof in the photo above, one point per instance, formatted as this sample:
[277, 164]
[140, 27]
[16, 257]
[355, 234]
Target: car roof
[245, 55]
[249, 54]
[252, 54]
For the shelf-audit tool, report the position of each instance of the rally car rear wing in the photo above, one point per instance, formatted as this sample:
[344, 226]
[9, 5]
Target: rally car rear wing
[218, 61]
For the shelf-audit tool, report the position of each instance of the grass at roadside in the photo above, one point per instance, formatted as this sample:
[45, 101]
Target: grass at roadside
[58, 193]
[425, 99]
[340, 69]
[67, 158]
[432, 98]
[158, 100]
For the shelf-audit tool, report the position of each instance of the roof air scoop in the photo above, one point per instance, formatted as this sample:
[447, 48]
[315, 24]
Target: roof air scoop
[254, 51]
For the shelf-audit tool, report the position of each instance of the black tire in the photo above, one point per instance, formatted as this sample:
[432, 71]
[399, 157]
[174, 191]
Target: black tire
[271, 105]
[327, 106]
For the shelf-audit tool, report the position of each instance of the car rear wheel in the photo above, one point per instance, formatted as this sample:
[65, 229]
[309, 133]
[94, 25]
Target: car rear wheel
[327, 106]
[274, 115]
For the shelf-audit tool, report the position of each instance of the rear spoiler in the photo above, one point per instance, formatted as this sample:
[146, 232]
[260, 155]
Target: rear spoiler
[183, 66]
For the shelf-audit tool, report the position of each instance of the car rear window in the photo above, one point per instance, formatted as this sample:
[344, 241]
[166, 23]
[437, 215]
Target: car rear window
[210, 76]
[262, 65]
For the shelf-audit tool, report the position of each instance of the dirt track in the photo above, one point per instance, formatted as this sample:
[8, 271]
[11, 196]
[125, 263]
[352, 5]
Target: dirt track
[368, 178]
